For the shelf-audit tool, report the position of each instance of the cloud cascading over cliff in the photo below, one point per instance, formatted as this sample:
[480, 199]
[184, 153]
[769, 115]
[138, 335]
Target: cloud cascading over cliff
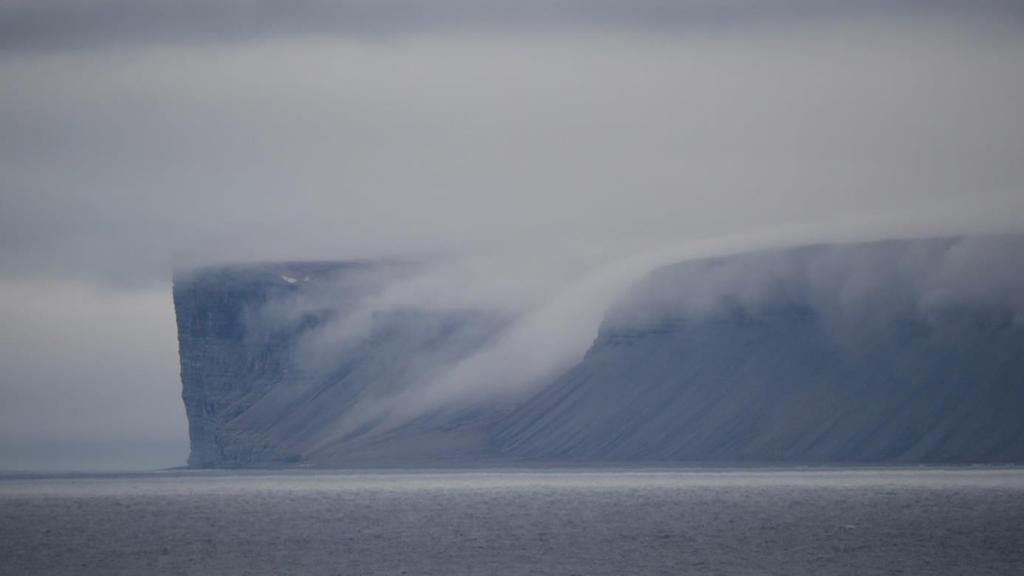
[896, 351]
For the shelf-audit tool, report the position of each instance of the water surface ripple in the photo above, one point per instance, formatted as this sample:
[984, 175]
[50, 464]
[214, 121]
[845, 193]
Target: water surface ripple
[811, 521]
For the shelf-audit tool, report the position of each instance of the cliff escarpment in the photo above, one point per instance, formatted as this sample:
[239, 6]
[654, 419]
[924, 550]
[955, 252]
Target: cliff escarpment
[886, 352]
[282, 364]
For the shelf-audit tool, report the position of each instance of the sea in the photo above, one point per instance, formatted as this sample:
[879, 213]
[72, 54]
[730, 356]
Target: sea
[481, 522]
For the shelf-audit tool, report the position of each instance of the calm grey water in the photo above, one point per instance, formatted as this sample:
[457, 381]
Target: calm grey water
[564, 522]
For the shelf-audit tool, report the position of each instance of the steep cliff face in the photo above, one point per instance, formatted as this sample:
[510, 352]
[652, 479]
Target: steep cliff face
[901, 352]
[227, 364]
[282, 364]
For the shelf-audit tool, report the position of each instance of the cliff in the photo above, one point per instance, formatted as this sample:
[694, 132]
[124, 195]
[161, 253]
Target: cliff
[281, 363]
[889, 352]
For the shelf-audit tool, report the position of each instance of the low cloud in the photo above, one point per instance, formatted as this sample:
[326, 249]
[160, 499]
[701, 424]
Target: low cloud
[851, 285]
[540, 157]
[64, 24]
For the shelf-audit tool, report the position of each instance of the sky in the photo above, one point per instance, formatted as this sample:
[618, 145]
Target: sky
[551, 149]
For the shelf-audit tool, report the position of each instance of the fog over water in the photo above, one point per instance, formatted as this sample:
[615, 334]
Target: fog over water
[541, 158]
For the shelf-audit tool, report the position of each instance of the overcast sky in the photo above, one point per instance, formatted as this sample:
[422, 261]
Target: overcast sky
[560, 137]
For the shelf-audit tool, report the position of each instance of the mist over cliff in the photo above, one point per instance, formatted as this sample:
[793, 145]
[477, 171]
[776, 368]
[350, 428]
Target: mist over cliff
[894, 351]
[534, 159]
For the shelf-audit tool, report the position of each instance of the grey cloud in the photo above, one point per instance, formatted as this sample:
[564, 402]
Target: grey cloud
[849, 285]
[550, 173]
[67, 24]
[592, 146]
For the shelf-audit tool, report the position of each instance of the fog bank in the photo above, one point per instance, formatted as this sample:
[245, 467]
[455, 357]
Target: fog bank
[540, 158]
